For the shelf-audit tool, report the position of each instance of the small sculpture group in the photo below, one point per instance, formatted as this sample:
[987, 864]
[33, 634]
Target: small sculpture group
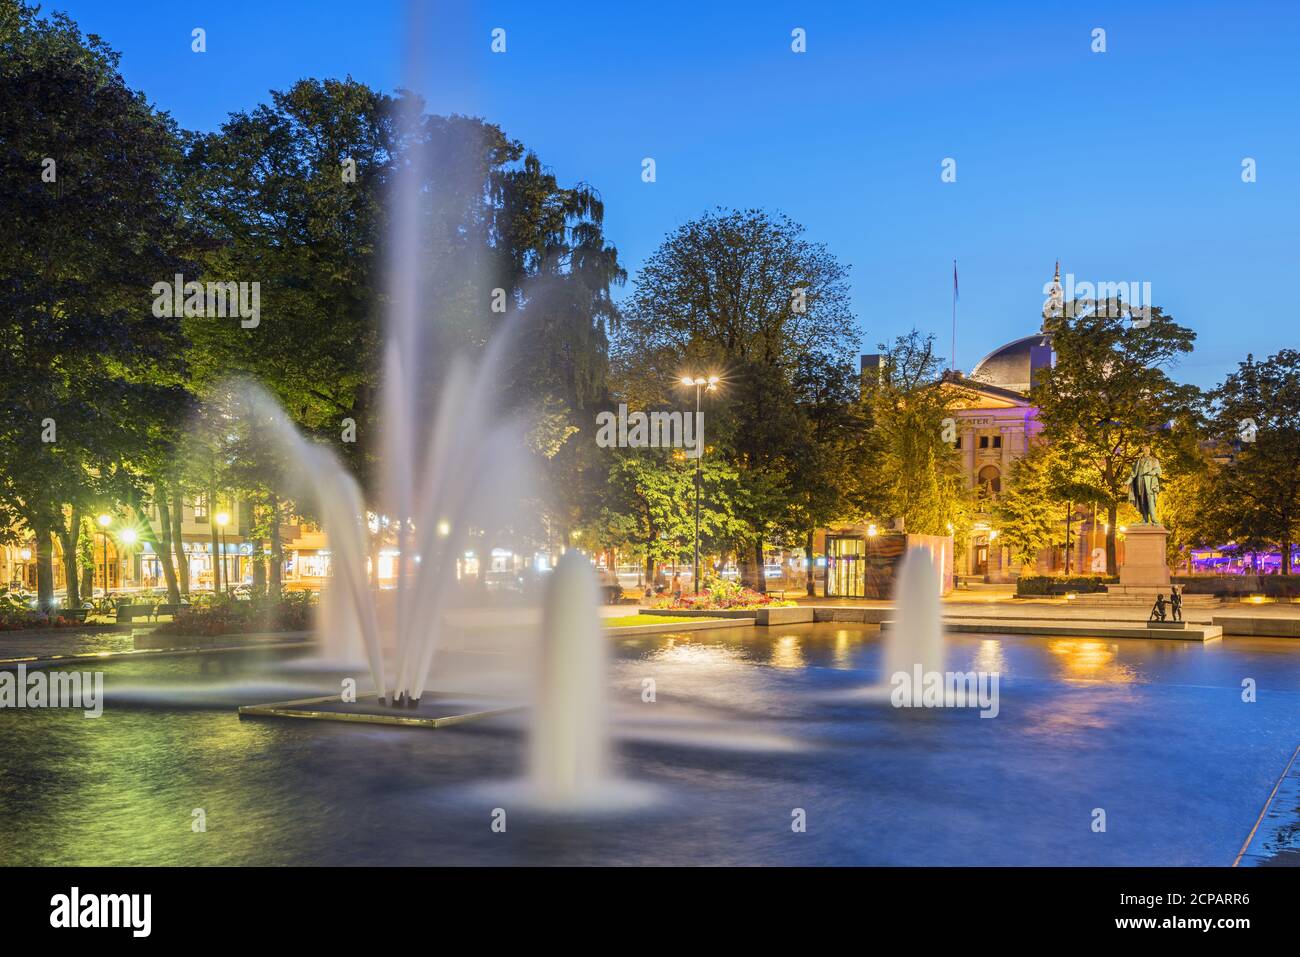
[1175, 606]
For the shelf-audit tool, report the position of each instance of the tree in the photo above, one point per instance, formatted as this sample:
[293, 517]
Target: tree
[652, 507]
[1026, 510]
[1108, 395]
[829, 478]
[297, 194]
[87, 372]
[920, 473]
[741, 293]
[1194, 512]
[1041, 484]
[1256, 415]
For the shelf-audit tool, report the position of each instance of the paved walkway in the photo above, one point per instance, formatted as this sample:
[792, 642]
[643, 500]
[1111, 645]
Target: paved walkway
[964, 605]
[1276, 837]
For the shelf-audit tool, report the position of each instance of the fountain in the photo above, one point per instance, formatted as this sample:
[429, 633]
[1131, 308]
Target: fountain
[916, 635]
[452, 468]
[570, 727]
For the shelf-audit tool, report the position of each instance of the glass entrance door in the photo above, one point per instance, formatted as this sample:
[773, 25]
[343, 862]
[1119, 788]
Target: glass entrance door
[846, 571]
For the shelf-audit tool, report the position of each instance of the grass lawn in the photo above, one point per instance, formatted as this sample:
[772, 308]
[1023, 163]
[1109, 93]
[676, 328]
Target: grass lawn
[651, 620]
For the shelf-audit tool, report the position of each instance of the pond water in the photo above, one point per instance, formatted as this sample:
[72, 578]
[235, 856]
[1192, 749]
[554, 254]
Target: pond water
[750, 730]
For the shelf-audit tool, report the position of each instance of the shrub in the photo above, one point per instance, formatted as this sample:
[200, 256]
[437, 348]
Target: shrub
[220, 615]
[1060, 584]
[1240, 586]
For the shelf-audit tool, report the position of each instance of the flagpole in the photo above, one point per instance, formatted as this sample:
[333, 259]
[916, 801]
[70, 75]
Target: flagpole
[954, 315]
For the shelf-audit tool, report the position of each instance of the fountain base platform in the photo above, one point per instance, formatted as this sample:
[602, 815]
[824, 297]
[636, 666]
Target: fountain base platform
[434, 710]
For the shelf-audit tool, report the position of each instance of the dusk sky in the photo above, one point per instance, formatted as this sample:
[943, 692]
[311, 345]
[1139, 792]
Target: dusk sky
[1125, 165]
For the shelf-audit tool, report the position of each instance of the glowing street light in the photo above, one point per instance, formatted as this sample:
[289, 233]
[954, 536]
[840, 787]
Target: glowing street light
[223, 519]
[127, 537]
[104, 520]
[708, 383]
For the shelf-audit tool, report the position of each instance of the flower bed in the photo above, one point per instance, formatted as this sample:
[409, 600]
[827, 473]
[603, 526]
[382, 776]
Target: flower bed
[27, 620]
[17, 613]
[721, 595]
[226, 616]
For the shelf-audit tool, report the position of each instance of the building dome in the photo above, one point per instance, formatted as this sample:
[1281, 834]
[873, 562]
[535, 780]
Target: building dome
[1012, 366]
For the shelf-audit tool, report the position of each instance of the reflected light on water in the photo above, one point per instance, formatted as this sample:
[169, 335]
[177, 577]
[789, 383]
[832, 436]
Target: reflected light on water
[990, 657]
[683, 652]
[843, 644]
[1087, 659]
[787, 652]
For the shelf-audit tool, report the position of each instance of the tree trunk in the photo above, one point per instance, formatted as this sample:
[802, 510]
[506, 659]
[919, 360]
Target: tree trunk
[1112, 561]
[810, 573]
[275, 583]
[1069, 514]
[178, 541]
[44, 567]
[163, 547]
[259, 570]
[68, 538]
[760, 569]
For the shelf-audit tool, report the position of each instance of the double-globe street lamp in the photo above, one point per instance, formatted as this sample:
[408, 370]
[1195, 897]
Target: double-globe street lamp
[126, 535]
[707, 383]
[105, 520]
[223, 519]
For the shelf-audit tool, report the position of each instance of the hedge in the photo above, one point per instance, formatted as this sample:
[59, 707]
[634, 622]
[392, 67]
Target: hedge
[1059, 584]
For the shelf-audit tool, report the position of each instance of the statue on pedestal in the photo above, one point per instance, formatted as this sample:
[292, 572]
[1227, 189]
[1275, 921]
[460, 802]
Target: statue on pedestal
[1144, 486]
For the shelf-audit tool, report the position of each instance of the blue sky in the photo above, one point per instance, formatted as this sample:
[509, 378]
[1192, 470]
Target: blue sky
[1125, 165]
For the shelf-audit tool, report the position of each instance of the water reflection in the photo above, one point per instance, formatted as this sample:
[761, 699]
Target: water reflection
[737, 736]
[1089, 659]
[990, 658]
[786, 652]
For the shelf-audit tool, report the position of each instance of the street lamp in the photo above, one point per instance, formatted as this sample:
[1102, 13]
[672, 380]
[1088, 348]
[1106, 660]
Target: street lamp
[708, 383]
[222, 520]
[127, 537]
[105, 520]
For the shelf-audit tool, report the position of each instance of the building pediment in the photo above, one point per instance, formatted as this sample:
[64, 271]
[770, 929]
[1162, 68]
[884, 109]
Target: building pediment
[970, 394]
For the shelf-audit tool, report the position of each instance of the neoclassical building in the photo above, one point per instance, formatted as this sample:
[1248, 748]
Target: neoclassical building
[995, 424]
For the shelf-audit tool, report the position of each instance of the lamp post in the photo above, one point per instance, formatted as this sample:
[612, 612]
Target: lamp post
[708, 383]
[127, 537]
[105, 520]
[223, 519]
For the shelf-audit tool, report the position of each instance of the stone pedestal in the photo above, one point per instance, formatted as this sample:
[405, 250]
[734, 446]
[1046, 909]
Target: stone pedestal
[1145, 572]
[1144, 558]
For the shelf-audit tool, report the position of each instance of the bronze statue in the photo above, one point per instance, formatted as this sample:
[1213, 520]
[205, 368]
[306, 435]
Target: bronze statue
[1144, 486]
